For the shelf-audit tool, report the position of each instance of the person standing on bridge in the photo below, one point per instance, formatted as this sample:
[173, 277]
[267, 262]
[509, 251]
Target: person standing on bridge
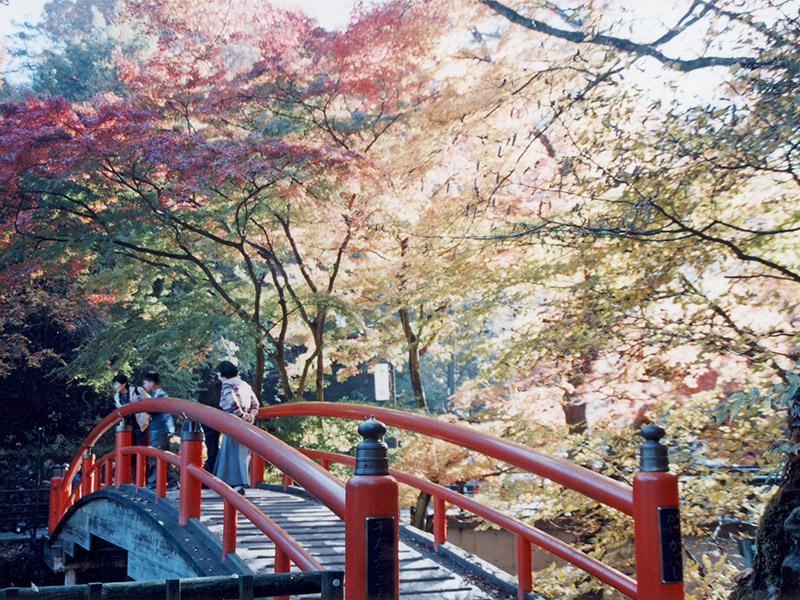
[162, 427]
[210, 397]
[237, 398]
[139, 423]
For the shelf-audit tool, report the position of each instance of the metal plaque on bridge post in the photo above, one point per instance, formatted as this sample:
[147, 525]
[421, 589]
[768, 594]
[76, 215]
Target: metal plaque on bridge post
[669, 523]
[381, 549]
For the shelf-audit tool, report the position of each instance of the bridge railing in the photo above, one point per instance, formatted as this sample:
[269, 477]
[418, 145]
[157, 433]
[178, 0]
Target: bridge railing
[23, 509]
[652, 501]
[286, 548]
[115, 469]
[526, 533]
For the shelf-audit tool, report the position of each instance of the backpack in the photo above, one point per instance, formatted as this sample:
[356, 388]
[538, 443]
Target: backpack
[134, 395]
[142, 418]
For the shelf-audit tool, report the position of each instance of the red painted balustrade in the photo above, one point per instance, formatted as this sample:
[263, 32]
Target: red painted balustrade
[652, 496]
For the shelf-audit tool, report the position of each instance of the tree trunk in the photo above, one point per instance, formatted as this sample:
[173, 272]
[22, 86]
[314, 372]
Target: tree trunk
[320, 384]
[421, 511]
[279, 358]
[574, 414]
[319, 332]
[575, 409]
[413, 360]
[420, 400]
[772, 545]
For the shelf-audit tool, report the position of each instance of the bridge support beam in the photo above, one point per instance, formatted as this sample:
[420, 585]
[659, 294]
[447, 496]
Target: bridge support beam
[371, 521]
[657, 529]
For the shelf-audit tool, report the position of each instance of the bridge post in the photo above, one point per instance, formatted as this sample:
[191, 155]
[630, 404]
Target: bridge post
[191, 453]
[73, 492]
[657, 528]
[122, 462]
[371, 521]
[88, 481]
[56, 502]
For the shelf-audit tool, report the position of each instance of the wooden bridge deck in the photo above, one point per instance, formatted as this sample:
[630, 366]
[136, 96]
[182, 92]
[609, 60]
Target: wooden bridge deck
[423, 575]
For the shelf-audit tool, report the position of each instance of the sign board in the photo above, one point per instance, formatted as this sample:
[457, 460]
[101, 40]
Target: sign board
[383, 382]
[669, 523]
[380, 557]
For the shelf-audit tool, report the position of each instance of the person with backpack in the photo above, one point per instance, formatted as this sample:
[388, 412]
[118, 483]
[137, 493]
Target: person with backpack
[237, 398]
[140, 422]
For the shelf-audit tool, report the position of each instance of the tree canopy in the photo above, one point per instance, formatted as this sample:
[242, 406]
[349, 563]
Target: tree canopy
[589, 207]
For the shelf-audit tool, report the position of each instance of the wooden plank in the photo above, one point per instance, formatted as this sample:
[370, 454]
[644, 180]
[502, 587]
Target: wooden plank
[322, 533]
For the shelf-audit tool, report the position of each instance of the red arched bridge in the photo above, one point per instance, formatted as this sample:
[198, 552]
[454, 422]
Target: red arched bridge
[99, 500]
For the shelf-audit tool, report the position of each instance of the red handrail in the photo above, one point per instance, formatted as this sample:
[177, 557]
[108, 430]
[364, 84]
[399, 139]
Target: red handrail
[594, 485]
[326, 488]
[331, 492]
[301, 468]
[270, 528]
[603, 572]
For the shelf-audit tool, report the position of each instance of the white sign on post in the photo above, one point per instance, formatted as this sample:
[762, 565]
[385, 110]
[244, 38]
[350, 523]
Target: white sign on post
[383, 383]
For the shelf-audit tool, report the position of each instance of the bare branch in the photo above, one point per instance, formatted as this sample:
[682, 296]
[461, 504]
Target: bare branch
[622, 44]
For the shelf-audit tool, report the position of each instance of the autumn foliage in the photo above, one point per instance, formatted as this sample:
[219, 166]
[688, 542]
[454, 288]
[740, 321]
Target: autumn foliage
[522, 200]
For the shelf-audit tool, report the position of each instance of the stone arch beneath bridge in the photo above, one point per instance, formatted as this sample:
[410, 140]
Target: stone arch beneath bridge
[125, 532]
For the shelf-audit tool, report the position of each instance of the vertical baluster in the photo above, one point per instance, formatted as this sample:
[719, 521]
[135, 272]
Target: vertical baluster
[524, 567]
[256, 469]
[161, 478]
[282, 565]
[229, 516]
[439, 522]
[141, 470]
